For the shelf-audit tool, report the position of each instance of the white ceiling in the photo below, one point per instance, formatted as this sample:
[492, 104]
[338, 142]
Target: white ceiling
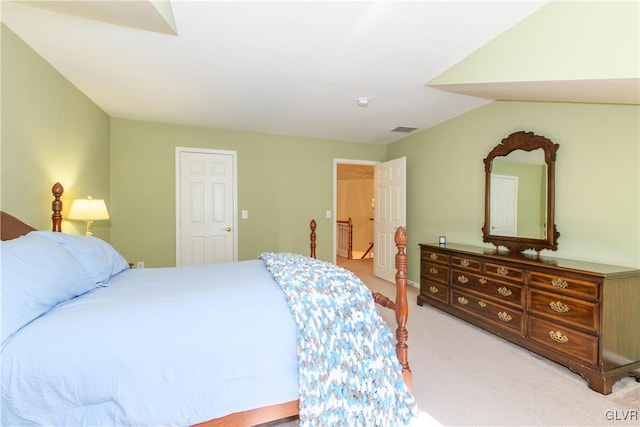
[292, 67]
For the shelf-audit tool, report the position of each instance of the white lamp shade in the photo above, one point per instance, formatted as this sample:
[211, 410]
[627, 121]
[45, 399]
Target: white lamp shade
[88, 209]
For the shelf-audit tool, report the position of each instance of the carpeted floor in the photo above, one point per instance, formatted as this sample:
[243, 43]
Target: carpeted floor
[464, 376]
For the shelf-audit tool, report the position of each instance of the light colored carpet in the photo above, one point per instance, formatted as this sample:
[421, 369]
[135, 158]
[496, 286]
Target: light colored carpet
[464, 376]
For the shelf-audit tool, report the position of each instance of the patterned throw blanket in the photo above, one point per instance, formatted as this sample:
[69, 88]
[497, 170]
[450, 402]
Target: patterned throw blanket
[349, 372]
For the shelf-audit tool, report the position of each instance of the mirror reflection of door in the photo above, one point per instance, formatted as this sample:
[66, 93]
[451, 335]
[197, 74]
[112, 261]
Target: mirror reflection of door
[504, 205]
[531, 192]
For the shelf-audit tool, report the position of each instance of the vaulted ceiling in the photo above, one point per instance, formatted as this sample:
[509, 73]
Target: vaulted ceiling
[299, 67]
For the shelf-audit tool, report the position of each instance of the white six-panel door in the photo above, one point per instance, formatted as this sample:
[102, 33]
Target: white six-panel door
[205, 206]
[389, 213]
[504, 205]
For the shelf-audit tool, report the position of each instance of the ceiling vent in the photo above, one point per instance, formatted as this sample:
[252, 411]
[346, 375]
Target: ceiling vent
[404, 129]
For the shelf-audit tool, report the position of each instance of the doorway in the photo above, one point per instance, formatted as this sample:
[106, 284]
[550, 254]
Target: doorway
[353, 199]
[383, 198]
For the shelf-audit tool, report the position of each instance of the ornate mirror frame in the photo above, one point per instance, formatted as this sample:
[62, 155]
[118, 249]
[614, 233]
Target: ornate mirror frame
[526, 141]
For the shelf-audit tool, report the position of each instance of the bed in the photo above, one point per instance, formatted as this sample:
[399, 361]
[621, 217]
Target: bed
[89, 341]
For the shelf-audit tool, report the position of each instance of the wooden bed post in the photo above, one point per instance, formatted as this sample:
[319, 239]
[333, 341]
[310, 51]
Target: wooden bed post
[56, 207]
[402, 305]
[312, 224]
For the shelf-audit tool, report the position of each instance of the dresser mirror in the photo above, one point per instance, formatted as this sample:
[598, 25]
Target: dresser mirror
[520, 193]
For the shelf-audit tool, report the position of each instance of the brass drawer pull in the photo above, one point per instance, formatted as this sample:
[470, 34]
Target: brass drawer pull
[559, 307]
[559, 283]
[434, 256]
[433, 270]
[463, 300]
[482, 304]
[558, 336]
[463, 279]
[504, 316]
[433, 290]
[504, 291]
[502, 271]
[482, 281]
[464, 263]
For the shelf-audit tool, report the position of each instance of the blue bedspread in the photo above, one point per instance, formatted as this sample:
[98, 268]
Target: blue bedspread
[349, 373]
[178, 346]
[168, 346]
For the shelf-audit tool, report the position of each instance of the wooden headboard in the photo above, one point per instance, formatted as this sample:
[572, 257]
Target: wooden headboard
[11, 227]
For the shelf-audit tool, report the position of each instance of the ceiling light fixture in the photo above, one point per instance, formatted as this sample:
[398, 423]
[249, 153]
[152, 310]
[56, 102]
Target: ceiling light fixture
[363, 101]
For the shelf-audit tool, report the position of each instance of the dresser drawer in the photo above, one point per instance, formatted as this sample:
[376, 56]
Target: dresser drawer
[489, 311]
[435, 291]
[504, 272]
[503, 291]
[437, 272]
[565, 284]
[470, 264]
[434, 257]
[568, 310]
[577, 345]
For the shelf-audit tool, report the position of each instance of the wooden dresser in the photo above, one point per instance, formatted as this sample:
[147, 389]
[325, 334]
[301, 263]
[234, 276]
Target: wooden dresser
[582, 315]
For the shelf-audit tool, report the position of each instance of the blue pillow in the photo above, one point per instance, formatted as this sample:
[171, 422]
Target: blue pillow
[99, 259]
[37, 274]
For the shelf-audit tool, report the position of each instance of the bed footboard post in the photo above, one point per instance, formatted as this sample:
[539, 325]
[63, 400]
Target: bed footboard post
[56, 207]
[402, 305]
[312, 225]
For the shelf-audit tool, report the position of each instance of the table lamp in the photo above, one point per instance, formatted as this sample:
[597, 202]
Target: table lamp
[88, 210]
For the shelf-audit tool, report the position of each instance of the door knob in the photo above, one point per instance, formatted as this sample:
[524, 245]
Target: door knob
[228, 229]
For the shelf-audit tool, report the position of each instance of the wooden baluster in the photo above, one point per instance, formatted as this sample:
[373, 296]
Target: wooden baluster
[313, 238]
[350, 242]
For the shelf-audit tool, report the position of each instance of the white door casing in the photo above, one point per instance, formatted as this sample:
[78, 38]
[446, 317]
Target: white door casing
[206, 206]
[504, 205]
[390, 213]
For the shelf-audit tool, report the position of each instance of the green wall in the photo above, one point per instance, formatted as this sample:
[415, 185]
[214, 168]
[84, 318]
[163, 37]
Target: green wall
[50, 132]
[283, 181]
[597, 177]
